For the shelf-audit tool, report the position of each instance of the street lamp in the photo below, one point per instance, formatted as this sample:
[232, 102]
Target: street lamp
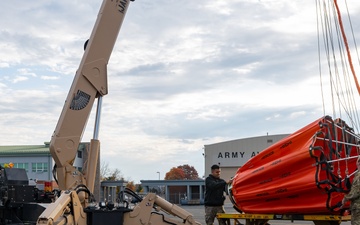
[159, 174]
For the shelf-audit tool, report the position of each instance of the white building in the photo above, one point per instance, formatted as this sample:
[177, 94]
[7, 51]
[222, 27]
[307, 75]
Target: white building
[231, 155]
[37, 160]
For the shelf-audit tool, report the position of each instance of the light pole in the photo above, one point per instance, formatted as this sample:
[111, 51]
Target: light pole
[159, 174]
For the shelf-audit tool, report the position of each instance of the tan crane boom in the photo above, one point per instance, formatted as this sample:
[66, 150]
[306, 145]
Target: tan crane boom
[75, 204]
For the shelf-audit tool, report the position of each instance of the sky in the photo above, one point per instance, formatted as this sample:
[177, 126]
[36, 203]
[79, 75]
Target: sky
[183, 74]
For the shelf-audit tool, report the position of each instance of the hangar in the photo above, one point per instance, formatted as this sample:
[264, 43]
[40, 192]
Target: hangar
[231, 155]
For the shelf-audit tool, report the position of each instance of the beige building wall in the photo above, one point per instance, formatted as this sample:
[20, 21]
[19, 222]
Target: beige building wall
[231, 155]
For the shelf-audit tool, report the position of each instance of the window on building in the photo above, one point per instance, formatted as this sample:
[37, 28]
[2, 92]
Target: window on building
[39, 167]
[269, 141]
[79, 154]
[22, 166]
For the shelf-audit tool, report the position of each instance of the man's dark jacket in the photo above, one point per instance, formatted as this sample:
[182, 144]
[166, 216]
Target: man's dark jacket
[214, 191]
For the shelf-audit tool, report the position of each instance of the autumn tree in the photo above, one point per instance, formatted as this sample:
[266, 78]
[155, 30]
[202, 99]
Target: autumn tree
[189, 171]
[183, 172]
[131, 185]
[139, 188]
[175, 174]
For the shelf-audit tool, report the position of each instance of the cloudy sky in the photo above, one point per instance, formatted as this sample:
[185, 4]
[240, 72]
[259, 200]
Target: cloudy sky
[183, 74]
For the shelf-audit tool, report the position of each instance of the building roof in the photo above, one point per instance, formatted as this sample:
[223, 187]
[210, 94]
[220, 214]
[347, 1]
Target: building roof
[275, 136]
[172, 182]
[113, 183]
[16, 150]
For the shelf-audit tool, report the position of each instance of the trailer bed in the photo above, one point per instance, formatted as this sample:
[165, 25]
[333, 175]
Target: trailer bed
[263, 219]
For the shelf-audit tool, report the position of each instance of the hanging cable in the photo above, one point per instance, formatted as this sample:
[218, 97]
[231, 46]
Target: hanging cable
[347, 46]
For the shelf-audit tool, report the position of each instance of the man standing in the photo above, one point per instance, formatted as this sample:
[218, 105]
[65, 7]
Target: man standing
[214, 195]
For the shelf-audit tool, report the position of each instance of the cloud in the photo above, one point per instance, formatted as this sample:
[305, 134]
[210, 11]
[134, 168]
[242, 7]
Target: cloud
[19, 79]
[181, 75]
[49, 78]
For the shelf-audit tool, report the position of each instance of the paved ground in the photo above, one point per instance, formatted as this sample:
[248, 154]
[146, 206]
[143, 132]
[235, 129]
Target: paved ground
[198, 211]
[199, 215]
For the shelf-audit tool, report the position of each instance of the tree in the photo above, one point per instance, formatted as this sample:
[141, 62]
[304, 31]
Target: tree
[189, 171]
[139, 188]
[183, 172]
[115, 175]
[104, 170]
[131, 185]
[175, 174]
[109, 174]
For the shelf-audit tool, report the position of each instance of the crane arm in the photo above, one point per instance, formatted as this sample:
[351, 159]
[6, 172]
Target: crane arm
[90, 82]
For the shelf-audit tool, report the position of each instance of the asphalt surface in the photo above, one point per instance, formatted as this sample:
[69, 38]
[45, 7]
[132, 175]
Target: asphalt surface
[198, 212]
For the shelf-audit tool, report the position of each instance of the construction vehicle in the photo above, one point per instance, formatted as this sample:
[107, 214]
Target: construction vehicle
[76, 204]
[20, 202]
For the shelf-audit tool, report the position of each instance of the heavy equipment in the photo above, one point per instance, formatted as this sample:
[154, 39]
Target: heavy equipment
[20, 201]
[76, 204]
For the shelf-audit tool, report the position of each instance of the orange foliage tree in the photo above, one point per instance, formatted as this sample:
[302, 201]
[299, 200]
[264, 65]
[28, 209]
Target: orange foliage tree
[175, 174]
[190, 172]
[183, 172]
[131, 185]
